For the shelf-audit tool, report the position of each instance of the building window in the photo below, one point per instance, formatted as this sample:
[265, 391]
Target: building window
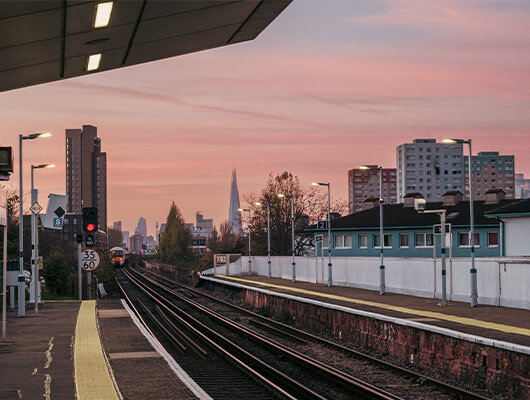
[343, 241]
[493, 239]
[463, 239]
[325, 242]
[363, 241]
[423, 239]
[404, 240]
[388, 241]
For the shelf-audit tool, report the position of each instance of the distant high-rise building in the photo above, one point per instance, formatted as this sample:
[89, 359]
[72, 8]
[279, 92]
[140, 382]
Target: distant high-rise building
[234, 215]
[125, 235]
[204, 225]
[162, 229]
[429, 168]
[364, 183]
[116, 225]
[522, 187]
[141, 228]
[136, 243]
[86, 173]
[491, 171]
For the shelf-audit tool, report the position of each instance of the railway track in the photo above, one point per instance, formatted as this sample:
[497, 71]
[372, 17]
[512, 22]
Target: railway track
[323, 368]
[293, 334]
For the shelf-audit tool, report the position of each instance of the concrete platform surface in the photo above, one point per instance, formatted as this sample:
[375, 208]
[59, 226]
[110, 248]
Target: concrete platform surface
[140, 372]
[41, 354]
[37, 359]
[510, 325]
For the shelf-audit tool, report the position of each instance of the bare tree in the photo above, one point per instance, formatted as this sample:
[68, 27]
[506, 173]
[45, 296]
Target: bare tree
[310, 205]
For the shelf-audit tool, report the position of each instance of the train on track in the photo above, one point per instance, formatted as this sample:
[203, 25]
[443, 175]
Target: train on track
[118, 256]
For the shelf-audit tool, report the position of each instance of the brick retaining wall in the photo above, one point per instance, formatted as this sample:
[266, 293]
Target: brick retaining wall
[501, 371]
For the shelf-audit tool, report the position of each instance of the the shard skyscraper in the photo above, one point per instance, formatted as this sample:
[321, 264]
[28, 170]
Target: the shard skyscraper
[234, 215]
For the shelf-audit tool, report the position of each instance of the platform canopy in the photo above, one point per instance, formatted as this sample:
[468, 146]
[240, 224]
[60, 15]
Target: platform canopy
[43, 41]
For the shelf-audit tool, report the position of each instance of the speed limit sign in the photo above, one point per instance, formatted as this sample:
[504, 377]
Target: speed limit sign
[89, 260]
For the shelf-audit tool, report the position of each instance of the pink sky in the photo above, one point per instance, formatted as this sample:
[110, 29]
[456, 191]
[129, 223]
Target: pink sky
[327, 87]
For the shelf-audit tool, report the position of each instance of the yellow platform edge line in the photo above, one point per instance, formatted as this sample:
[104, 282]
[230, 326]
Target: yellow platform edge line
[92, 379]
[431, 314]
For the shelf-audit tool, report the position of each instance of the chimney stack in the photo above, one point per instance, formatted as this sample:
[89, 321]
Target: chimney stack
[453, 197]
[408, 199]
[495, 196]
[370, 202]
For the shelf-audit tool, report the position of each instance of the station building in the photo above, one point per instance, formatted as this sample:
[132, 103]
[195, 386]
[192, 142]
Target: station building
[408, 233]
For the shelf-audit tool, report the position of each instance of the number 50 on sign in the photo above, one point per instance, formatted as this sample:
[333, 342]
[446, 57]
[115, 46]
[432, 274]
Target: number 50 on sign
[90, 260]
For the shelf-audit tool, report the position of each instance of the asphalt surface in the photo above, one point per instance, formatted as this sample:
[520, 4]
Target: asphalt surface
[37, 358]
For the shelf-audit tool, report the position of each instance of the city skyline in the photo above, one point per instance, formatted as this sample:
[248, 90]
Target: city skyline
[314, 101]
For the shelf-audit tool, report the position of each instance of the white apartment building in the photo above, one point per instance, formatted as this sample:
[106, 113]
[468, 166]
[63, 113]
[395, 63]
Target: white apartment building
[429, 168]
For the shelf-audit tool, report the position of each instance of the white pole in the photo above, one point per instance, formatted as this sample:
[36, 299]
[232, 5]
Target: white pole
[249, 249]
[21, 278]
[443, 250]
[89, 285]
[473, 271]
[4, 286]
[79, 272]
[434, 261]
[33, 289]
[292, 236]
[330, 278]
[269, 240]
[381, 235]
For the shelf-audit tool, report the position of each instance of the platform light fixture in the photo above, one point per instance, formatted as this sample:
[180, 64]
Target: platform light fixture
[103, 11]
[21, 278]
[382, 286]
[35, 238]
[330, 276]
[93, 62]
[473, 270]
[259, 204]
[249, 246]
[291, 197]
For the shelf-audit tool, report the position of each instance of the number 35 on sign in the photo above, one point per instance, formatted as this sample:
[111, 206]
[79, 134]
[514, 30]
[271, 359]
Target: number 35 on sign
[90, 260]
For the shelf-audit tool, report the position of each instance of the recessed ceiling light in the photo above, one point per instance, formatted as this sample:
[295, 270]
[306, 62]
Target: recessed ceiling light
[93, 62]
[103, 11]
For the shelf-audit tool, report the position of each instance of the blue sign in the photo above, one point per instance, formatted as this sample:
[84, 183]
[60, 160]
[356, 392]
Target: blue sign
[57, 223]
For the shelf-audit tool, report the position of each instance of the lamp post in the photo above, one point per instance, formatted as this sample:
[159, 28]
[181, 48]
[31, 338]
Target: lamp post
[330, 277]
[381, 235]
[268, 237]
[441, 212]
[35, 239]
[291, 197]
[473, 270]
[21, 278]
[249, 249]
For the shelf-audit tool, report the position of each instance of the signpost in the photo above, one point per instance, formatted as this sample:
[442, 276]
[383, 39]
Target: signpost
[36, 208]
[3, 222]
[89, 261]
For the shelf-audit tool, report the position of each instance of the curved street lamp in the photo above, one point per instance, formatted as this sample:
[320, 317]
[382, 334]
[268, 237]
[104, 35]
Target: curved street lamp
[268, 236]
[381, 235]
[21, 278]
[291, 197]
[473, 270]
[35, 240]
[249, 250]
[330, 280]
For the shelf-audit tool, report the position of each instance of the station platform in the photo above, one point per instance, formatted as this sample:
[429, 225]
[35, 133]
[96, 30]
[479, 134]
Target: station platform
[501, 327]
[89, 351]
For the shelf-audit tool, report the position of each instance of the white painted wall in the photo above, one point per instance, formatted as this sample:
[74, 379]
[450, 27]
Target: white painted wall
[501, 281]
[517, 236]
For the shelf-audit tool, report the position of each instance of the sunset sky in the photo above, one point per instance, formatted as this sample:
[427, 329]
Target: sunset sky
[329, 85]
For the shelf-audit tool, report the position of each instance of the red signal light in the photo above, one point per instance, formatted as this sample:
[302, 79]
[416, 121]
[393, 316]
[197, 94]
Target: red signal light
[90, 227]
